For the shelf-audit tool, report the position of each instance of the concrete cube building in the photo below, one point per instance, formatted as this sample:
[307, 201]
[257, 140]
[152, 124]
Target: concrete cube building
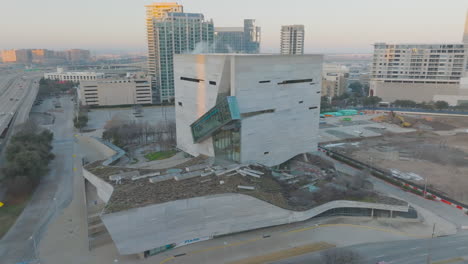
[247, 108]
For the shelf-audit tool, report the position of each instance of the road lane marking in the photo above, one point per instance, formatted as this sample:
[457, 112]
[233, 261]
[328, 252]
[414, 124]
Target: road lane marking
[460, 248]
[414, 248]
[74, 169]
[74, 155]
[422, 255]
[452, 260]
[285, 253]
[166, 260]
[380, 256]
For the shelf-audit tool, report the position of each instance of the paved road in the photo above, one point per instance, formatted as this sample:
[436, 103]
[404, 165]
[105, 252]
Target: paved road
[442, 210]
[454, 248]
[16, 245]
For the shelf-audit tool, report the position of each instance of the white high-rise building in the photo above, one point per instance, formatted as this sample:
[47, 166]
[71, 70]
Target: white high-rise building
[292, 39]
[244, 108]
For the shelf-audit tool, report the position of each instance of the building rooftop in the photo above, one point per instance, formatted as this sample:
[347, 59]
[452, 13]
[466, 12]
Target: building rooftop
[177, 184]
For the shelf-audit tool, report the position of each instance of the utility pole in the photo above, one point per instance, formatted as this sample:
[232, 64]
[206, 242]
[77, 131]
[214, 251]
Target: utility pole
[430, 246]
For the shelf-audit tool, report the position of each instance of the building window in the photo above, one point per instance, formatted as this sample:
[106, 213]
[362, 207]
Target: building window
[266, 153]
[180, 103]
[249, 114]
[191, 79]
[312, 107]
[301, 102]
[212, 82]
[295, 81]
[264, 81]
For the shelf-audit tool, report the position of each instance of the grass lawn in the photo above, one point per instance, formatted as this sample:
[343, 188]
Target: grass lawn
[9, 213]
[160, 155]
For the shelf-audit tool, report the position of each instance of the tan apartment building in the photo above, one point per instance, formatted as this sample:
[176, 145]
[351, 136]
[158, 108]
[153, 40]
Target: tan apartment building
[418, 72]
[108, 92]
[334, 79]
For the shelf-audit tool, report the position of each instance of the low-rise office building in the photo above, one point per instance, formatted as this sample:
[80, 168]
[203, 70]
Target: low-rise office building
[108, 92]
[334, 79]
[73, 76]
[248, 108]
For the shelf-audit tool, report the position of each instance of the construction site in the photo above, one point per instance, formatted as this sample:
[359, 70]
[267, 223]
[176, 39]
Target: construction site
[433, 153]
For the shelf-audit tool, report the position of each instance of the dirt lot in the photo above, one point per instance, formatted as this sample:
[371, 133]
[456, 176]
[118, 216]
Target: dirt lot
[442, 159]
[435, 123]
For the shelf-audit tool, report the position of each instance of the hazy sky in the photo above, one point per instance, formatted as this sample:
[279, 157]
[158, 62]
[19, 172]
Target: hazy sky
[331, 25]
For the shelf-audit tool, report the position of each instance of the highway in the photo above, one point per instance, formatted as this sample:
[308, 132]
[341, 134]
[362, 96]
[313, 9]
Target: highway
[16, 93]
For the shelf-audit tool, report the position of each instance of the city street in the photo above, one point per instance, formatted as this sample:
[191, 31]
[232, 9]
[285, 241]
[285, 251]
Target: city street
[53, 193]
[453, 249]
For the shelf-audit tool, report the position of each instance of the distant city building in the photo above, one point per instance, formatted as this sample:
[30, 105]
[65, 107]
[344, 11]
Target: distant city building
[173, 32]
[73, 76]
[334, 79]
[42, 56]
[107, 92]
[9, 55]
[419, 72]
[252, 37]
[229, 39]
[292, 39]
[240, 108]
[78, 55]
[238, 39]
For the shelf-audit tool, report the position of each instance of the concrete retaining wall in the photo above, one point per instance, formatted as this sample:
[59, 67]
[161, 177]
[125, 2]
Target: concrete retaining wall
[136, 230]
[104, 189]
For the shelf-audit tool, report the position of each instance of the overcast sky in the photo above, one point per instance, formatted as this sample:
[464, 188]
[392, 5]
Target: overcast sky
[332, 26]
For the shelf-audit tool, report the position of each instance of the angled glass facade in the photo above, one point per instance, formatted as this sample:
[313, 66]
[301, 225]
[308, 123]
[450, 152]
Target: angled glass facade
[217, 117]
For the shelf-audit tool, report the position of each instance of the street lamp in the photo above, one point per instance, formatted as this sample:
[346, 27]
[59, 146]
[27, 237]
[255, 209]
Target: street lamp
[34, 245]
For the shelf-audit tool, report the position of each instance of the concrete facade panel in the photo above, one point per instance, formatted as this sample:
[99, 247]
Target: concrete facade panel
[137, 230]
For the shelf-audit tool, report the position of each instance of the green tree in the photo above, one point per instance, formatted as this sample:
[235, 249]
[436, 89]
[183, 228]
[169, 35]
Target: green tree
[371, 101]
[325, 103]
[441, 105]
[405, 103]
[356, 88]
[80, 121]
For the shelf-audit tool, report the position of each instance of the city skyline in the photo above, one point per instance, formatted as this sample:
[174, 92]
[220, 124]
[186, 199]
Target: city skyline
[333, 27]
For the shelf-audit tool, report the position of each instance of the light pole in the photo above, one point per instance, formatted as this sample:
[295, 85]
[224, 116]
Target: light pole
[425, 186]
[34, 245]
[430, 245]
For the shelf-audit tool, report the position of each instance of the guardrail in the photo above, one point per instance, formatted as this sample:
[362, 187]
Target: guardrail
[427, 192]
[416, 110]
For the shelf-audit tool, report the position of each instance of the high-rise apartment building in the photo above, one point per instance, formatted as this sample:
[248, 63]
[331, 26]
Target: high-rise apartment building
[465, 33]
[156, 11]
[292, 39]
[174, 33]
[238, 39]
[419, 72]
[252, 36]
